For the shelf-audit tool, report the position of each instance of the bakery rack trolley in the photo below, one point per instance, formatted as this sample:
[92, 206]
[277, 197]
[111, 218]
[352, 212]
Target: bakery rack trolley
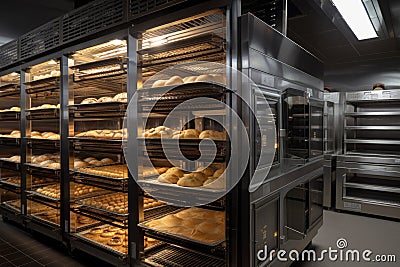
[42, 87]
[184, 39]
[11, 184]
[98, 101]
[368, 169]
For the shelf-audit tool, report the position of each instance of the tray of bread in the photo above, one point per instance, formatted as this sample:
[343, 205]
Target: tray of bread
[12, 138]
[105, 134]
[45, 111]
[109, 237]
[100, 69]
[12, 181]
[9, 89]
[10, 114]
[32, 207]
[114, 204]
[77, 221]
[204, 180]
[202, 226]
[154, 134]
[114, 172]
[11, 163]
[77, 191]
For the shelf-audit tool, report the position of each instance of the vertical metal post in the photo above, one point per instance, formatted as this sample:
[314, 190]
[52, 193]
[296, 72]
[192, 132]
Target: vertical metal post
[135, 201]
[64, 146]
[23, 103]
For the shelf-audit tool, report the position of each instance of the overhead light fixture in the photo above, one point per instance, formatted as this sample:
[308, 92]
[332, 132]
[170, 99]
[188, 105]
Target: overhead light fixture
[356, 16]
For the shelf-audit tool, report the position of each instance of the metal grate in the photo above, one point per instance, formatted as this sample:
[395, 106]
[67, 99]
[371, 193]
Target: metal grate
[92, 18]
[9, 53]
[139, 8]
[40, 39]
[174, 256]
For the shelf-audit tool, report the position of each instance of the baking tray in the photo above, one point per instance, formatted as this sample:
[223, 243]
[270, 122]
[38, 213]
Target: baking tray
[39, 170]
[42, 143]
[168, 236]
[93, 242]
[105, 182]
[10, 141]
[10, 115]
[97, 145]
[10, 186]
[175, 256]
[99, 110]
[102, 217]
[43, 114]
[10, 165]
[10, 206]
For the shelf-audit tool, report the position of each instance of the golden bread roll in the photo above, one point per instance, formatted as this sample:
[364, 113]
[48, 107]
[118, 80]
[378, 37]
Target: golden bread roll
[89, 159]
[176, 171]
[204, 78]
[105, 99]
[218, 172]
[192, 180]
[80, 164]
[211, 134]
[174, 80]
[107, 161]
[189, 79]
[209, 171]
[168, 178]
[121, 97]
[89, 100]
[189, 133]
[159, 83]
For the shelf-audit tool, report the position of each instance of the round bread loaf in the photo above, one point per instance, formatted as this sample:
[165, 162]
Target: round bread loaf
[168, 178]
[176, 171]
[174, 80]
[204, 78]
[159, 83]
[89, 100]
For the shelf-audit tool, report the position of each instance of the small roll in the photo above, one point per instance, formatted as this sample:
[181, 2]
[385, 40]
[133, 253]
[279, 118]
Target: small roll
[174, 80]
[159, 83]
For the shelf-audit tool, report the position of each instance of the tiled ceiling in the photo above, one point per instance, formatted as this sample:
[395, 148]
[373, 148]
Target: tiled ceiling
[310, 27]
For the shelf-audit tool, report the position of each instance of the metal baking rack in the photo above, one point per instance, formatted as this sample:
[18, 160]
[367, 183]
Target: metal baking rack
[48, 223]
[176, 256]
[181, 50]
[166, 98]
[98, 110]
[10, 115]
[10, 89]
[43, 85]
[156, 212]
[37, 170]
[42, 199]
[108, 217]
[10, 206]
[10, 141]
[151, 70]
[117, 184]
[10, 186]
[41, 143]
[189, 148]
[98, 69]
[10, 165]
[80, 235]
[97, 145]
[43, 114]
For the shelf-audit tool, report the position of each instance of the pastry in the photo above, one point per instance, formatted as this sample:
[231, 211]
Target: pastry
[189, 79]
[174, 80]
[96, 231]
[89, 100]
[121, 97]
[168, 178]
[89, 159]
[209, 171]
[158, 132]
[219, 172]
[107, 161]
[80, 164]
[105, 99]
[193, 179]
[159, 83]
[115, 241]
[189, 133]
[176, 171]
[211, 134]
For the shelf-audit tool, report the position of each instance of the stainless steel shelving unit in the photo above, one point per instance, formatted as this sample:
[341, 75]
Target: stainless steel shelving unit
[368, 170]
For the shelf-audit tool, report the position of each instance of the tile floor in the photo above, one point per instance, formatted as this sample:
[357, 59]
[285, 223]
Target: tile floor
[19, 248]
